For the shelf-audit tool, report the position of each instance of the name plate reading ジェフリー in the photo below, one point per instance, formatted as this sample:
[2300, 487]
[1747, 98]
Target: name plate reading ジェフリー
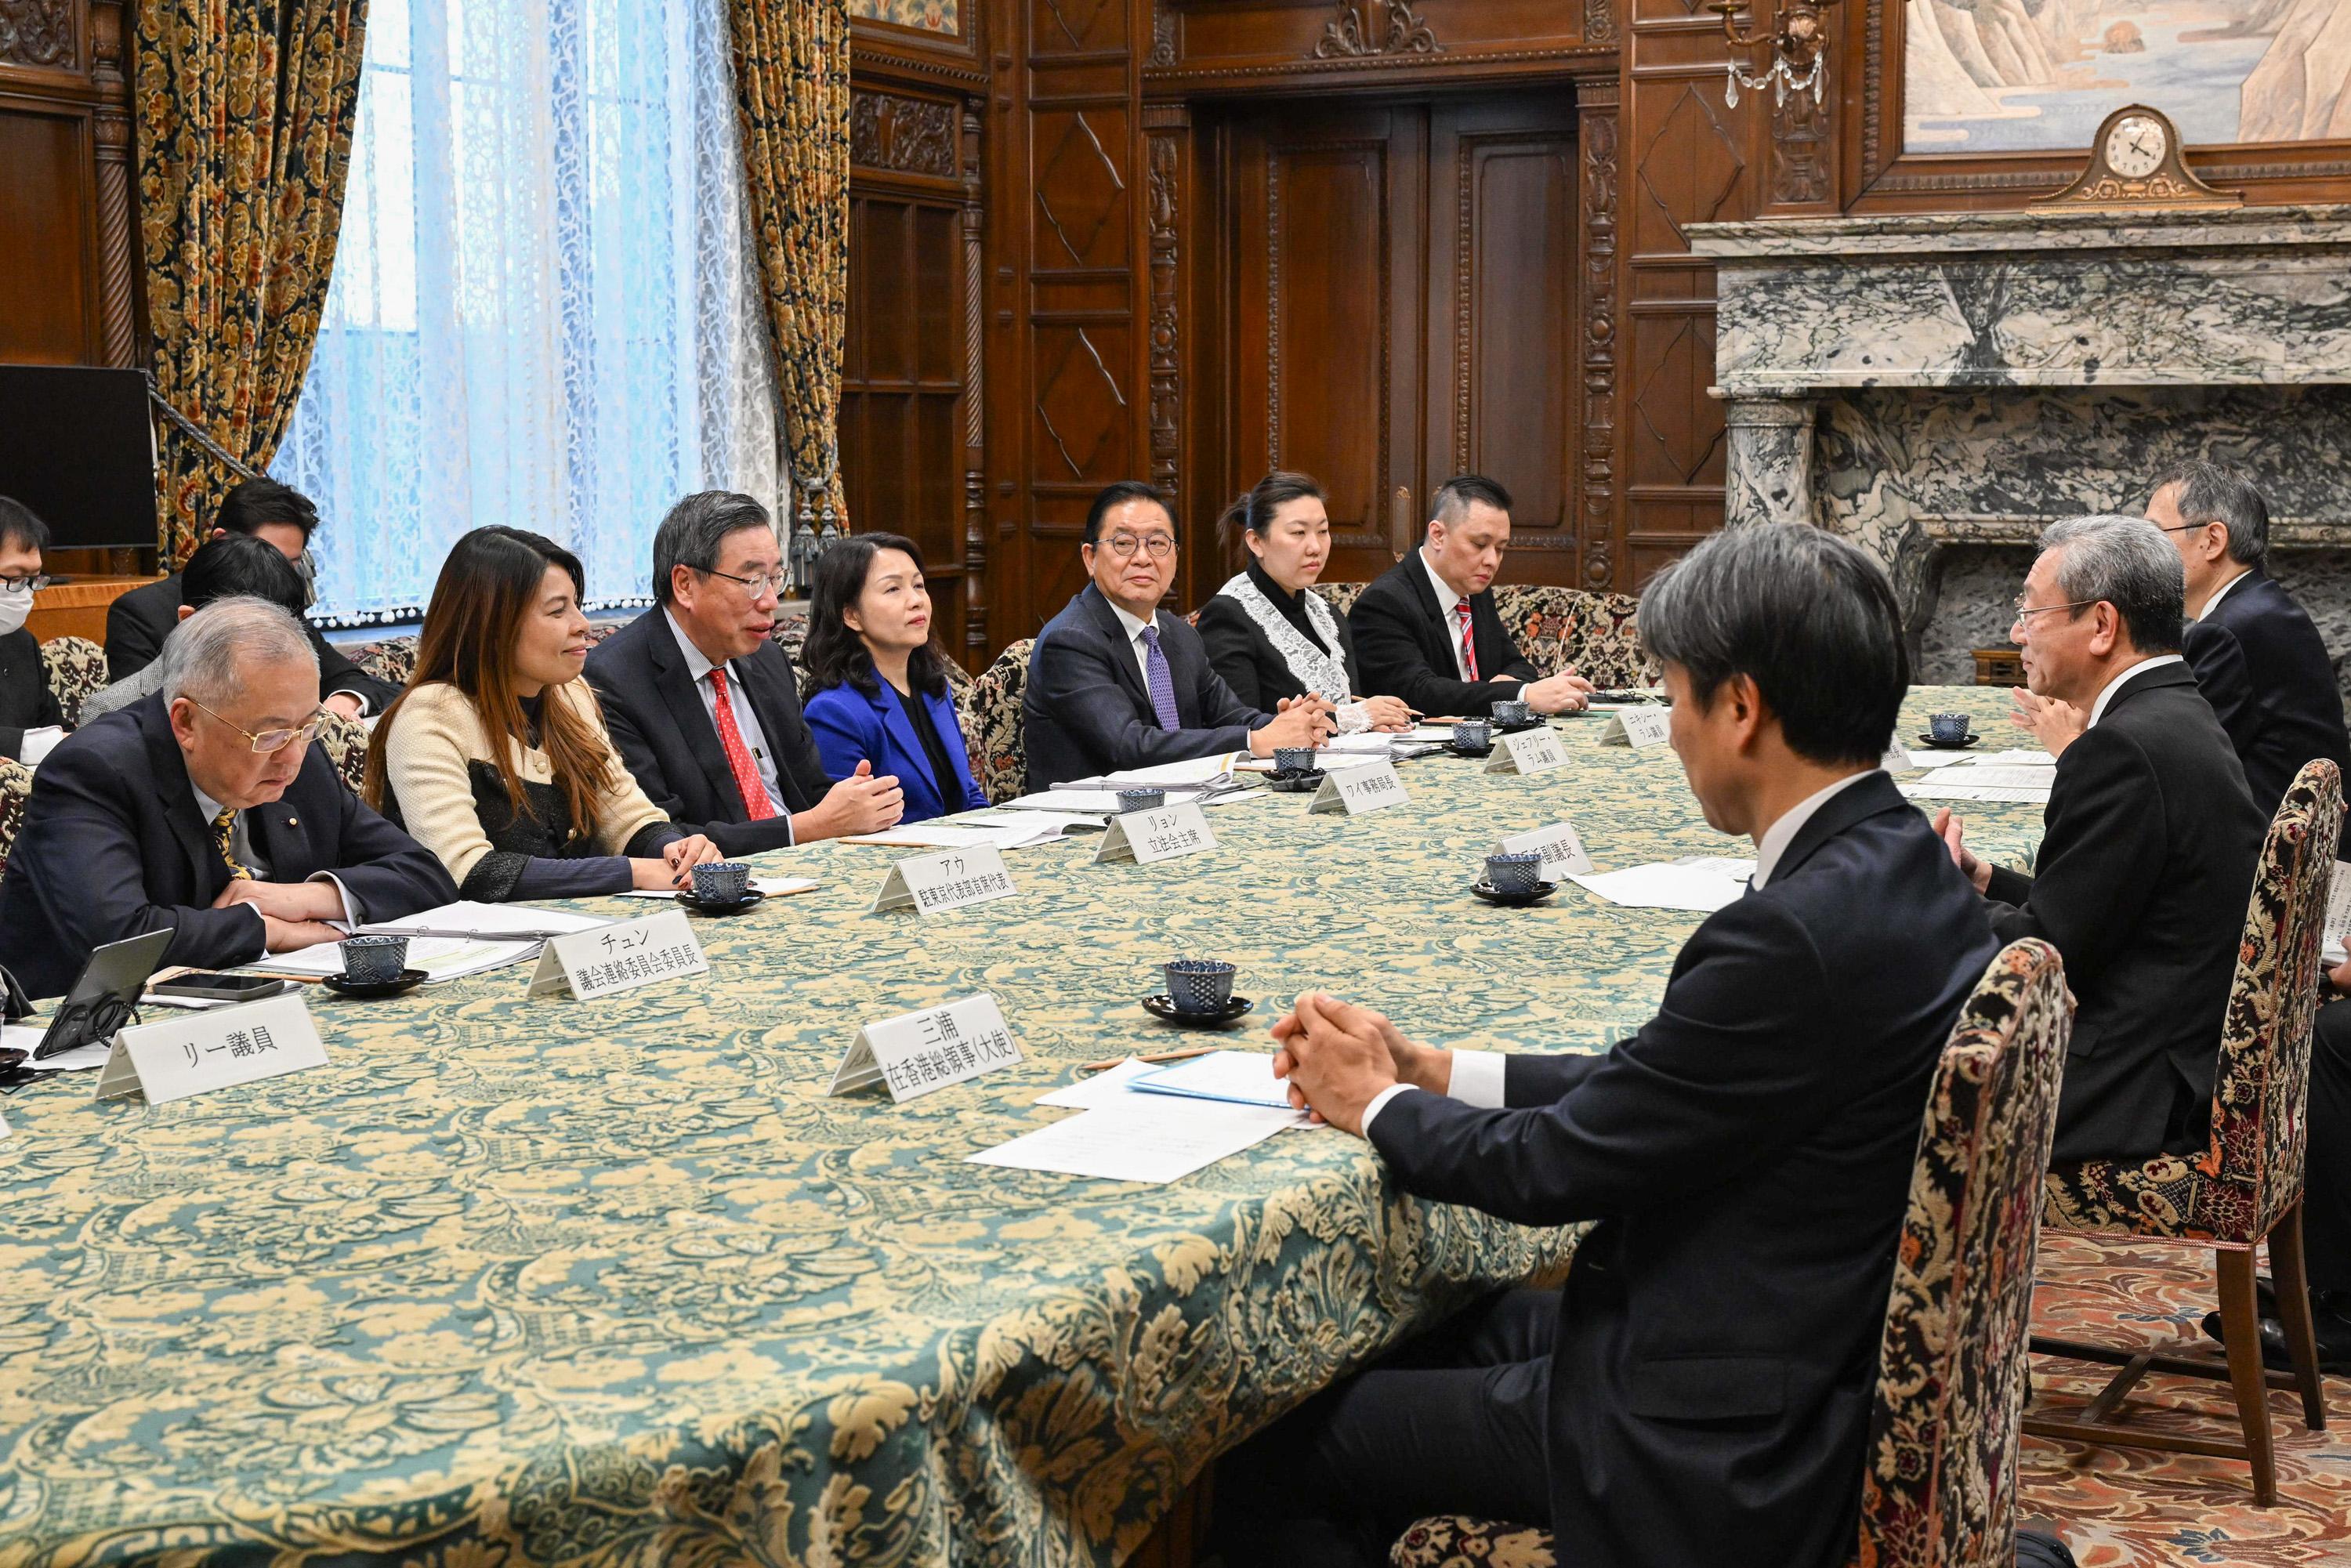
[1148, 837]
[219, 1048]
[605, 960]
[1638, 727]
[1560, 845]
[1529, 751]
[949, 880]
[1356, 790]
[917, 1053]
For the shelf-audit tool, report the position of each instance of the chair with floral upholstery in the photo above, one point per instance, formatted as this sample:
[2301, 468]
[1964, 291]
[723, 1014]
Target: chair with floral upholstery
[1939, 1474]
[1340, 596]
[76, 666]
[991, 725]
[2245, 1186]
[391, 659]
[345, 742]
[15, 789]
[1568, 628]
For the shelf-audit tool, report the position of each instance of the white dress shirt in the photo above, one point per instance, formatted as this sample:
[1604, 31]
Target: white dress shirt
[240, 846]
[2219, 594]
[747, 721]
[2156, 661]
[1448, 606]
[1135, 627]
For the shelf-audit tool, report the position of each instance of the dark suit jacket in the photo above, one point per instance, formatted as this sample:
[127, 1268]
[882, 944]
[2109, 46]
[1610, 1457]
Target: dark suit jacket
[2265, 671]
[2147, 851]
[1086, 710]
[851, 727]
[1747, 1154]
[112, 846]
[25, 700]
[1405, 645]
[137, 622]
[669, 743]
[1251, 666]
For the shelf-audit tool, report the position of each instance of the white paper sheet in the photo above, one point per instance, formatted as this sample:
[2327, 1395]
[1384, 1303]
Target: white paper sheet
[445, 958]
[1079, 802]
[1192, 770]
[2000, 778]
[1947, 785]
[1158, 1144]
[773, 886]
[1699, 884]
[1113, 1086]
[80, 1059]
[1024, 830]
[1231, 1076]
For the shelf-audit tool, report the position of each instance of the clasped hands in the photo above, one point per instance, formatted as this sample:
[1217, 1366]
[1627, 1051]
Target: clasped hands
[1307, 720]
[1337, 1057]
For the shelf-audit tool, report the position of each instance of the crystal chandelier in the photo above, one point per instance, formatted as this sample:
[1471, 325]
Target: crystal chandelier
[1798, 40]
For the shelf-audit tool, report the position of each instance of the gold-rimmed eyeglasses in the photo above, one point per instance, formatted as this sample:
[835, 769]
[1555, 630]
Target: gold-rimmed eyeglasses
[270, 741]
[1122, 547]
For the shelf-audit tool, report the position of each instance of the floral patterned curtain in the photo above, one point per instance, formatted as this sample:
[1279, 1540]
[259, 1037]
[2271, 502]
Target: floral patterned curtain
[243, 113]
[791, 83]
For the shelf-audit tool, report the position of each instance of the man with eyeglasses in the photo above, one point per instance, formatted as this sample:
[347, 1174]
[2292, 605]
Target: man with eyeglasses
[706, 707]
[205, 809]
[2147, 846]
[30, 720]
[1117, 684]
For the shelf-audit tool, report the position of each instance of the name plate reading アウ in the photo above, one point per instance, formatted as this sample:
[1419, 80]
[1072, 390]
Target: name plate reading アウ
[219, 1048]
[917, 1053]
[1560, 845]
[605, 960]
[949, 880]
[1638, 727]
[1148, 837]
[1356, 790]
[1529, 751]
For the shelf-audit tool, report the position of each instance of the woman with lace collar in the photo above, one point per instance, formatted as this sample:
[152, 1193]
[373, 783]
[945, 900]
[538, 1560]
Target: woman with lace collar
[1267, 633]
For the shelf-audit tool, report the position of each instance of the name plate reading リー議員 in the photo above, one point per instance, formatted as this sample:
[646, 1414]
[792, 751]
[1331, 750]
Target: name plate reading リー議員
[1638, 727]
[605, 960]
[1148, 837]
[916, 1054]
[1356, 790]
[1529, 751]
[193, 1053]
[1560, 845]
[949, 880]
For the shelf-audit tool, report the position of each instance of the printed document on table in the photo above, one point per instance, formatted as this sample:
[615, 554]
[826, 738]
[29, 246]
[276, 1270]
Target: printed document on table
[446, 957]
[1067, 802]
[1699, 884]
[1117, 1087]
[773, 886]
[1140, 1144]
[2002, 777]
[1233, 1077]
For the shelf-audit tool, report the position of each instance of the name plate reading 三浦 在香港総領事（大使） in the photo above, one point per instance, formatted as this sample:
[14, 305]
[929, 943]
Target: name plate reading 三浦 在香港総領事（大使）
[917, 1052]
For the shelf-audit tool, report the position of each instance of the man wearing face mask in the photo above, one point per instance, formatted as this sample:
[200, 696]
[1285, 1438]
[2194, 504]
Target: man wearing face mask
[280, 516]
[30, 720]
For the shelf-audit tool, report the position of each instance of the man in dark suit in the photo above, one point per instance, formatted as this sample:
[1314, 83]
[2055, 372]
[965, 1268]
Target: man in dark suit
[1426, 630]
[2147, 846]
[1699, 1393]
[136, 623]
[1117, 684]
[30, 720]
[205, 809]
[705, 708]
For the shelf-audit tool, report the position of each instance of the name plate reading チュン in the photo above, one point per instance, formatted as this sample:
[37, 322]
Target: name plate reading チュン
[949, 880]
[1638, 727]
[605, 960]
[1147, 837]
[1529, 751]
[1560, 845]
[916, 1054]
[219, 1048]
[1356, 790]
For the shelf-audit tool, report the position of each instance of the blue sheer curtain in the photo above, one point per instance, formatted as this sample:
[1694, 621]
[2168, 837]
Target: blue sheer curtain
[543, 310]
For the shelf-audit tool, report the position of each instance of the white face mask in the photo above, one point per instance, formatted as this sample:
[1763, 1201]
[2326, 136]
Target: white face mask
[13, 607]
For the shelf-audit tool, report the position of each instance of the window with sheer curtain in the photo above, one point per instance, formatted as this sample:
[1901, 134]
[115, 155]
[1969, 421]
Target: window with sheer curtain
[543, 311]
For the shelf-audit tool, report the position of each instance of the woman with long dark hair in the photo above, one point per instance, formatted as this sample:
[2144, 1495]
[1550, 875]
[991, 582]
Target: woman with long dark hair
[495, 757]
[880, 682]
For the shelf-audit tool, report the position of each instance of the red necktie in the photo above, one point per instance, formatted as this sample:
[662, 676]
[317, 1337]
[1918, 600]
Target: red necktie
[755, 804]
[1468, 646]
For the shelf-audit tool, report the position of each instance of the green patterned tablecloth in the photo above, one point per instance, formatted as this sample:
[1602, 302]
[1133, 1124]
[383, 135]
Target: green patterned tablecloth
[514, 1283]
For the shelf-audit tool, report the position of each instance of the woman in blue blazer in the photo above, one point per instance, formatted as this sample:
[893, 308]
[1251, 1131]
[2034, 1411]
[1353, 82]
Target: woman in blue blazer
[881, 684]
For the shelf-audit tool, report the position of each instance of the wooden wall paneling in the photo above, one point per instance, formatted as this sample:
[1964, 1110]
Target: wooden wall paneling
[976, 647]
[1258, 46]
[68, 291]
[1601, 519]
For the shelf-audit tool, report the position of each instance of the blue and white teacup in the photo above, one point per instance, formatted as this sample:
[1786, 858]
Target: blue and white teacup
[1513, 711]
[1513, 872]
[1200, 985]
[722, 882]
[1948, 729]
[1141, 801]
[1471, 733]
[1294, 759]
[373, 960]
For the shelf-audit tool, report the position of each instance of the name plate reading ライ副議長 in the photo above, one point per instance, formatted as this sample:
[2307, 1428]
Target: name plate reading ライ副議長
[605, 960]
[1638, 727]
[1529, 751]
[1148, 837]
[916, 1054]
[195, 1052]
[1356, 790]
[949, 880]
[1560, 845]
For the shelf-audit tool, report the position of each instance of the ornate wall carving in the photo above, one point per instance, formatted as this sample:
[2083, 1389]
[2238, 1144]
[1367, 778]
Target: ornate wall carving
[903, 135]
[1599, 21]
[1801, 148]
[1596, 127]
[1166, 127]
[38, 33]
[1361, 27]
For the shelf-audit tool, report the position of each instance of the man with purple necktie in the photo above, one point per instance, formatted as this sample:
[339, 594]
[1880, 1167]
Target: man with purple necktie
[1114, 683]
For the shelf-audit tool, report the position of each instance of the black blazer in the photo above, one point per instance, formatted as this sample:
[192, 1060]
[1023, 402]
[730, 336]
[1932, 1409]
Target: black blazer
[1747, 1154]
[2265, 671]
[113, 845]
[670, 745]
[137, 622]
[25, 700]
[1245, 659]
[1086, 710]
[1406, 646]
[2147, 851]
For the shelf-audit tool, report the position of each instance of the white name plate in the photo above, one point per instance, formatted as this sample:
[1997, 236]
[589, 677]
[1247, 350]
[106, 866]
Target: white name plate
[1149, 837]
[606, 960]
[1560, 845]
[193, 1053]
[1638, 727]
[1529, 751]
[1356, 790]
[949, 880]
[917, 1053]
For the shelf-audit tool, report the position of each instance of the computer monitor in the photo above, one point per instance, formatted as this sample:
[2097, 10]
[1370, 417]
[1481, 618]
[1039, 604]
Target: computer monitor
[75, 445]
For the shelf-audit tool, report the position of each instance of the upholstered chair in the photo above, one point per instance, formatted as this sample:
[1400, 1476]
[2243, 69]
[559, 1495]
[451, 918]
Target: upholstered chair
[991, 723]
[76, 666]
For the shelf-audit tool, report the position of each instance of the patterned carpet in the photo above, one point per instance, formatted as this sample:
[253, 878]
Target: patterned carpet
[2136, 1508]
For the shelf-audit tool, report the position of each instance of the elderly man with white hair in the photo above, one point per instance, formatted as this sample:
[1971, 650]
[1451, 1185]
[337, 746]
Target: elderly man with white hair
[205, 809]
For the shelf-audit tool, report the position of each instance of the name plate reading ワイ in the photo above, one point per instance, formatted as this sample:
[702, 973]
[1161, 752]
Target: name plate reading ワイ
[219, 1048]
[1356, 790]
[1529, 751]
[1638, 727]
[917, 1053]
[1147, 837]
[949, 880]
[1560, 845]
[605, 960]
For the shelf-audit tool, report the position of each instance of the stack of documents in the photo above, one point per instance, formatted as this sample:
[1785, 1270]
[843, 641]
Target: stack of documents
[773, 886]
[2022, 783]
[1151, 1124]
[1703, 884]
[1201, 780]
[1026, 831]
[467, 941]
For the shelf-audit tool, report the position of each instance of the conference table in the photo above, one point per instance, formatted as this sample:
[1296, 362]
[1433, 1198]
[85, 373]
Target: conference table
[548, 1281]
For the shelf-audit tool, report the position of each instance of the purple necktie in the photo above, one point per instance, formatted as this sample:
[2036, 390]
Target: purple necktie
[1163, 684]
